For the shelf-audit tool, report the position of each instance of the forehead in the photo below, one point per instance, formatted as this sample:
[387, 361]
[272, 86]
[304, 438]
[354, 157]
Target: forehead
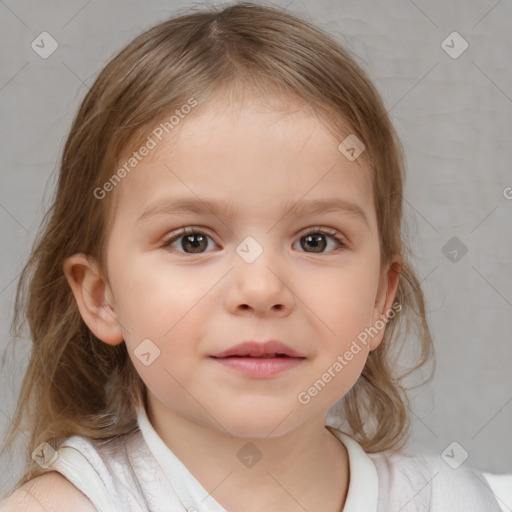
[257, 154]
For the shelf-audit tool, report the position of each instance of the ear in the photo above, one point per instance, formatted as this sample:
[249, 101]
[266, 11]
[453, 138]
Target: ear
[93, 297]
[388, 285]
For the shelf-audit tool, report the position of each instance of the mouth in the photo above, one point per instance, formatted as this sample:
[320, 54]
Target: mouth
[259, 367]
[266, 350]
[263, 356]
[259, 360]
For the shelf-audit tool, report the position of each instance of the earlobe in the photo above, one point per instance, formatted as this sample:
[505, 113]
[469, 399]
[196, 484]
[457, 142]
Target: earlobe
[91, 292]
[386, 294]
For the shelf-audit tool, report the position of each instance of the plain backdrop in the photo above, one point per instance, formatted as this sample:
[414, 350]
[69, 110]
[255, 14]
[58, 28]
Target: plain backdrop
[452, 110]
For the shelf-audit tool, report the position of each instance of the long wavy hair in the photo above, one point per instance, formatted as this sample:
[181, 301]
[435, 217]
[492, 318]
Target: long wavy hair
[75, 384]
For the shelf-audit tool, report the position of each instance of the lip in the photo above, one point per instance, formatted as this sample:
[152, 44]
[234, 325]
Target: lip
[259, 349]
[259, 359]
[260, 367]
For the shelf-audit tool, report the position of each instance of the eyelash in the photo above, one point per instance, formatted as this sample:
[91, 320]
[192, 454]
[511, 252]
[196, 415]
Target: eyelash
[316, 230]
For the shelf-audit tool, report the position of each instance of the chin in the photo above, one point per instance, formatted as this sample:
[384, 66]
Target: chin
[258, 426]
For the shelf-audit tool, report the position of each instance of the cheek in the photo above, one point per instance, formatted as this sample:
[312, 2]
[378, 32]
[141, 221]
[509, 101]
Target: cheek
[345, 307]
[343, 302]
[156, 297]
[163, 307]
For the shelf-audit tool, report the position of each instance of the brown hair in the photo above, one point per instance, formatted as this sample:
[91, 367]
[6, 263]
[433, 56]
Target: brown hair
[75, 384]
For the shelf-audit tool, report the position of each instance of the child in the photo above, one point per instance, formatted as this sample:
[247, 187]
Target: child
[223, 264]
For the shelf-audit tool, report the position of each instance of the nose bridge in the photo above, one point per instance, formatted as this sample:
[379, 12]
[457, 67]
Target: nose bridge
[255, 259]
[260, 280]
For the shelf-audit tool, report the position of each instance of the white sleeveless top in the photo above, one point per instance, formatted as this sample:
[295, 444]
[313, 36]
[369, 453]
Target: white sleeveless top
[141, 474]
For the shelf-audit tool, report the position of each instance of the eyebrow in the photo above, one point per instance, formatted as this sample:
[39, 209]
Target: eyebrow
[187, 204]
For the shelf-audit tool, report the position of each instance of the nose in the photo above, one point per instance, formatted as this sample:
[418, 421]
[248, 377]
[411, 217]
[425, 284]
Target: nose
[259, 289]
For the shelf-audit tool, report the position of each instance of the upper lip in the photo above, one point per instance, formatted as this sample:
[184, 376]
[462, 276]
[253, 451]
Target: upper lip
[259, 349]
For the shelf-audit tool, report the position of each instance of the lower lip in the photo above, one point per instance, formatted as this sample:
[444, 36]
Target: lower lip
[260, 367]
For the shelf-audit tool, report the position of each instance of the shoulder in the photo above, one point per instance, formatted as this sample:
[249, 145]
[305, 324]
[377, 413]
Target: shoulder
[413, 481]
[50, 491]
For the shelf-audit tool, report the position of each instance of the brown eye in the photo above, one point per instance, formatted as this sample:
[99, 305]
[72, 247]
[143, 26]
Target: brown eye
[196, 242]
[317, 240]
[188, 241]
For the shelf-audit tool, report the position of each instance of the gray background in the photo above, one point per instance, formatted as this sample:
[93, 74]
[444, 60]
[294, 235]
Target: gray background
[454, 117]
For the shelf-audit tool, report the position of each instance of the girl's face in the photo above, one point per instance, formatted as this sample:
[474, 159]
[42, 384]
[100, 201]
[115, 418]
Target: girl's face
[251, 268]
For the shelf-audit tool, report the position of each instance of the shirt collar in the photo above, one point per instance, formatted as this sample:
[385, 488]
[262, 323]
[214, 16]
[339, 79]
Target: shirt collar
[362, 491]
[363, 488]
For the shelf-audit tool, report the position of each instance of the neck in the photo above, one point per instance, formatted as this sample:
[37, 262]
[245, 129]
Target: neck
[304, 469]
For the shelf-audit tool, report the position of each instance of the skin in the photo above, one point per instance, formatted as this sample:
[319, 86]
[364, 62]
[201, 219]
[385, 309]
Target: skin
[192, 305]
